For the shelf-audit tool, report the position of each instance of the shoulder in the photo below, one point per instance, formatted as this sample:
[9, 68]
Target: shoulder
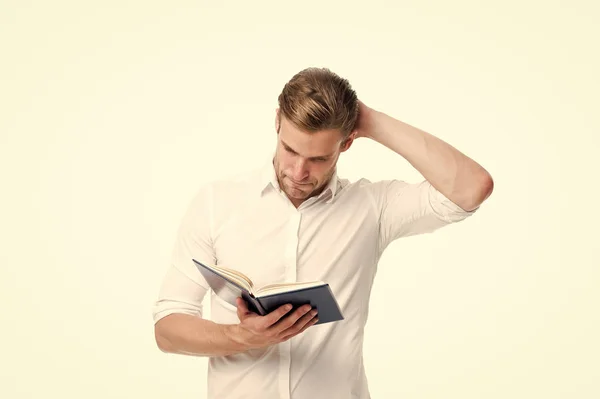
[365, 192]
[372, 188]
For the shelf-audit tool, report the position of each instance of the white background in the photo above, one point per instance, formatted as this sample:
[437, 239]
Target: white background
[113, 114]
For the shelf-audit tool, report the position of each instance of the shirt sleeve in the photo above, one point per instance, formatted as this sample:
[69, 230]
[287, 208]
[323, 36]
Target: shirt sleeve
[183, 288]
[408, 209]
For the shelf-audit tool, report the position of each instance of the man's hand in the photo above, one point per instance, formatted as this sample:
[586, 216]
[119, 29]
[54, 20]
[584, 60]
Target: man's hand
[255, 331]
[365, 125]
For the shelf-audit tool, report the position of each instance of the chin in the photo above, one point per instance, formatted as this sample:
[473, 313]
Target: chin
[297, 193]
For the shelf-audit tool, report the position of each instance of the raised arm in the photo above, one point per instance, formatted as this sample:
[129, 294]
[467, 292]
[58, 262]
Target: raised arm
[455, 175]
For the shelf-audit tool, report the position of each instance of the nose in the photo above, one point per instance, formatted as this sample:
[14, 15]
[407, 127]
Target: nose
[300, 170]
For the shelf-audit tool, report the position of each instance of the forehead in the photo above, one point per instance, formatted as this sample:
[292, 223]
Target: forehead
[315, 144]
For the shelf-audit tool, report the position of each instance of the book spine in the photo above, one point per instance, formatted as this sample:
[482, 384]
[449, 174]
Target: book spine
[260, 307]
[254, 303]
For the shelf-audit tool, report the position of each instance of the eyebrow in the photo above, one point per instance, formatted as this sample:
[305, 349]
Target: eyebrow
[287, 147]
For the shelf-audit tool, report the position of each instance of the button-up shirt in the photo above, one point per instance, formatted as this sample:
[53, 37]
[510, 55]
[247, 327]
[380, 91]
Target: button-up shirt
[247, 223]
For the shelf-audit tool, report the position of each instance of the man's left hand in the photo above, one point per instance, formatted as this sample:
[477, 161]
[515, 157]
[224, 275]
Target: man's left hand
[365, 125]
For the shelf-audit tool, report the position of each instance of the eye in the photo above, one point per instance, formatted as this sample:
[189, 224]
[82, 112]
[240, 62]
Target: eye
[320, 159]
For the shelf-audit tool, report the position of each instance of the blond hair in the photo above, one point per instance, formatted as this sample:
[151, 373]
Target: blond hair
[318, 99]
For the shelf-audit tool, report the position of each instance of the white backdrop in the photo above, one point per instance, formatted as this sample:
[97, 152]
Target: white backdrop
[112, 114]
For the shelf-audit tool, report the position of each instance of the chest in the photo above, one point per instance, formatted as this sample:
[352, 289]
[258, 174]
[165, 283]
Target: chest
[282, 244]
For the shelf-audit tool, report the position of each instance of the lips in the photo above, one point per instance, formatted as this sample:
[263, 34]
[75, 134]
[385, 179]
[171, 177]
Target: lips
[295, 183]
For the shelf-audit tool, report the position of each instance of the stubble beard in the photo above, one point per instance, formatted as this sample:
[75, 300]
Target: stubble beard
[298, 194]
[303, 194]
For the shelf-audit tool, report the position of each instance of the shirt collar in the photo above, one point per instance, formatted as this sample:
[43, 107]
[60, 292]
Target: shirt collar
[268, 178]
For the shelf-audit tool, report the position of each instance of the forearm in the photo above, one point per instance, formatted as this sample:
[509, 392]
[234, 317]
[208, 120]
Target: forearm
[189, 335]
[455, 175]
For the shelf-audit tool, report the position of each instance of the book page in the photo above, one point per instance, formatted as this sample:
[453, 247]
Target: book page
[235, 275]
[284, 287]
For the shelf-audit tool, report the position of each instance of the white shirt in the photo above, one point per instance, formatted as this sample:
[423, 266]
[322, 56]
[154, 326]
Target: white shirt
[248, 224]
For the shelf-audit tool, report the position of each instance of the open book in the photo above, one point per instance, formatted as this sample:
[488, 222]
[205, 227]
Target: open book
[229, 284]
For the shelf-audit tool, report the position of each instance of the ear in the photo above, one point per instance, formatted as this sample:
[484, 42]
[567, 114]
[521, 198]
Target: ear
[347, 142]
[277, 120]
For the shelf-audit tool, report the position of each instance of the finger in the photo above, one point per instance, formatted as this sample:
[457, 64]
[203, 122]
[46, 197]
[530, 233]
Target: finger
[298, 326]
[276, 315]
[290, 320]
[242, 308]
[310, 323]
[302, 322]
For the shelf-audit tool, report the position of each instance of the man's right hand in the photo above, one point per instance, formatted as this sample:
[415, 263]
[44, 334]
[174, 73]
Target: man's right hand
[255, 331]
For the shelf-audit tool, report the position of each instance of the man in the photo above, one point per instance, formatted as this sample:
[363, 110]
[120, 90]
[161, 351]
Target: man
[296, 220]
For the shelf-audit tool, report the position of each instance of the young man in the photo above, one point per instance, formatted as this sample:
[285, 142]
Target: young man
[296, 220]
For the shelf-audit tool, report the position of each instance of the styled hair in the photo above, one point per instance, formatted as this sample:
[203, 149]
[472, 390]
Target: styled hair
[317, 99]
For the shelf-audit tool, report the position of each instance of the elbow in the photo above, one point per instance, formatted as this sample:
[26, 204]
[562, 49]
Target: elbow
[486, 187]
[480, 192]
[162, 342]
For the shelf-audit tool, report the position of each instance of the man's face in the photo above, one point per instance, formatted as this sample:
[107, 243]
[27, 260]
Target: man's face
[304, 162]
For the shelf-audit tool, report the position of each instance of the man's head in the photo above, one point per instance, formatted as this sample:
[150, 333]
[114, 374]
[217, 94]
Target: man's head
[315, 122]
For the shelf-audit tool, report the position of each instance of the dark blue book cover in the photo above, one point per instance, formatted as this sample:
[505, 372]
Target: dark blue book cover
[228, 288]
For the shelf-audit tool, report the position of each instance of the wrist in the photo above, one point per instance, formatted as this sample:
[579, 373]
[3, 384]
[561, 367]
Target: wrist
[235, 336]
[375, 125]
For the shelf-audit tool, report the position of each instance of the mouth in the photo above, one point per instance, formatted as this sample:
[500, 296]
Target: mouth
[295, 183]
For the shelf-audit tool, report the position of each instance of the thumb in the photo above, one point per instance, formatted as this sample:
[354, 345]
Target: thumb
[242, 308]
